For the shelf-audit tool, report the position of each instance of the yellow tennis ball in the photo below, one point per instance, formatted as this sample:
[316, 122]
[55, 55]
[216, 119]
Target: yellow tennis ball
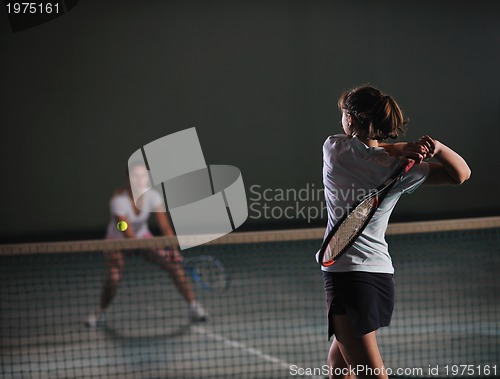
[122, 226]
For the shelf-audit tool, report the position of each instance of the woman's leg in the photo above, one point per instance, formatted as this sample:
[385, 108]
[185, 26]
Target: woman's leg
[171, 261]
[114, 274]
[337, 363]
[360, 353]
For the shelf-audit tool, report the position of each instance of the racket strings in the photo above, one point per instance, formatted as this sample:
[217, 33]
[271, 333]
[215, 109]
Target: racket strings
[209, 273]
[349, 229]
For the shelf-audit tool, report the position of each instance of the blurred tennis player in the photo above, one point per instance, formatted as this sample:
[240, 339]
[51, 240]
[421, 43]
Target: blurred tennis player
[359, 286]
[122, 208]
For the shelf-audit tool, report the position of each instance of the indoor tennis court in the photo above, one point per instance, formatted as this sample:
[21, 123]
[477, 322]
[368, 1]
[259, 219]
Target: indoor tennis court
[224, 108]
[270, 321]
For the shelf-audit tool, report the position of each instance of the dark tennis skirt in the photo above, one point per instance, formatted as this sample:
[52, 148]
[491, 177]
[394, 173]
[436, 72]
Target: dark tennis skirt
[367, 299]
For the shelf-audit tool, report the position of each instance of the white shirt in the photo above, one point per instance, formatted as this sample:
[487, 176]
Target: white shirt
[350, 170]
[121, 205]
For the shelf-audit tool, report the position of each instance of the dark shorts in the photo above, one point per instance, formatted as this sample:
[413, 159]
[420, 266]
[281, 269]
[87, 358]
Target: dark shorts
[367, 299]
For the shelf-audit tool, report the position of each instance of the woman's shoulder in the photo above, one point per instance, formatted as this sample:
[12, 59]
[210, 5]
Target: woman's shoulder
[120, 203]
[335, 138]
[335, 141]
[120, 192]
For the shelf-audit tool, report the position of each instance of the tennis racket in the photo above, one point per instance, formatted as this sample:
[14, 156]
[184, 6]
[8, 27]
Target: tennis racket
[208, 273]
[352, 223]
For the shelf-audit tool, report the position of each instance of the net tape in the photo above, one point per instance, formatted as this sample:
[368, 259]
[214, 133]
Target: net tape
[239, 237]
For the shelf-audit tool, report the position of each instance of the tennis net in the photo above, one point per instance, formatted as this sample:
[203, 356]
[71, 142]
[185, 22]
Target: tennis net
[269, 322]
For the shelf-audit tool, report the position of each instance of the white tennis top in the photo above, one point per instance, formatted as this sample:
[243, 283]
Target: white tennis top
[350, 170]
[121, 205]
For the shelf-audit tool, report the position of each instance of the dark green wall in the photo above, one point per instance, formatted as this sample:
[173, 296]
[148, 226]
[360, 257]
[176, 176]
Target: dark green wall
[259, 80]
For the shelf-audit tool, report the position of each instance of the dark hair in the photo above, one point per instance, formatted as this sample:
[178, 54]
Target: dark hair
[374, 114]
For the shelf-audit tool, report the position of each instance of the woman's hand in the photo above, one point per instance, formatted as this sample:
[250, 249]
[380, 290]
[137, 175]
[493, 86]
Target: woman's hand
[416, 151]
[431, 146]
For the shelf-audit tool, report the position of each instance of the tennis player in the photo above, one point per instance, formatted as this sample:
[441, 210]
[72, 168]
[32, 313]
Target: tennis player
[123, 208]
[359, 287]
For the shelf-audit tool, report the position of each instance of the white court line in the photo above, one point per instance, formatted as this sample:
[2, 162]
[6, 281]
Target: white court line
[250, 350]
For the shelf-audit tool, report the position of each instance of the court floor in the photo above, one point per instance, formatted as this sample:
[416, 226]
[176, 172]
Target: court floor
[269, 324]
